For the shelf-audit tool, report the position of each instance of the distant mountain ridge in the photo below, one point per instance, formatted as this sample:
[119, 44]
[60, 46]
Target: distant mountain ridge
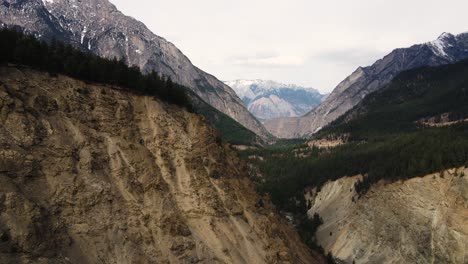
[98, 26]
[269, 99]
[446, 49]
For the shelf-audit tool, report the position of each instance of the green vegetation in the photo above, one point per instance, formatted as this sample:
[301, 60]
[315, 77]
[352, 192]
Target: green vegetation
[58, 58]
[385, 139]
[413, 95]
[285, 174]
[228, 128]
[308, 229]
[330, 259]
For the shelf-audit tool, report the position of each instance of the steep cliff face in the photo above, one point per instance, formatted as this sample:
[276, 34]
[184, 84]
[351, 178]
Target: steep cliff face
[422, 220]
[90, 174]
[446, 49]
[98, 26]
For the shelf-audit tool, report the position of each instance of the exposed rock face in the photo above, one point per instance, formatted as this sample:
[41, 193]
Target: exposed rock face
[97, 26]
[269, 99]
[446, 49]
[421, 220]
[90, 174]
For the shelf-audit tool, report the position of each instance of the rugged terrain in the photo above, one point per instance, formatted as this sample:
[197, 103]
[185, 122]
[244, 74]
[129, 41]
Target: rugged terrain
[405, 206]
[421, 220]
[90, 174]
[269, 99]
[98, 26]
[446, 49]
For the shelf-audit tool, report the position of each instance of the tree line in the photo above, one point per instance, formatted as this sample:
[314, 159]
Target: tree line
[398, 157]
[56, 57]
[385, 138]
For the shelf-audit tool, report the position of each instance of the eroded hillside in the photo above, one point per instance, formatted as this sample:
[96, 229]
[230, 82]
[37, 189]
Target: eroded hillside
[90, 174]
[421, 220]
[99, 27]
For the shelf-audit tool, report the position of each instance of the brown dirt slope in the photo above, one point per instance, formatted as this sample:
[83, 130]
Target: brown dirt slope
[90, 174]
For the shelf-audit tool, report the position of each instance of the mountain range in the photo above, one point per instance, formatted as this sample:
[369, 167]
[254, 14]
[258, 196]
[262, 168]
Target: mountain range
[103, 163]
[446, 49]
[99, 27]
[269, 99]
[389, 174]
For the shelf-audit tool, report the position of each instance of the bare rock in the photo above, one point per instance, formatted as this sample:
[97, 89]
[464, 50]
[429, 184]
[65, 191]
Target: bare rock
[78, 186]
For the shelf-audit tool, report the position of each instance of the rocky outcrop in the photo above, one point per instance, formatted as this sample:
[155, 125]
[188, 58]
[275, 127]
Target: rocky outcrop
[421, 220]
[446, 49]
[98, 26]
[90, 174]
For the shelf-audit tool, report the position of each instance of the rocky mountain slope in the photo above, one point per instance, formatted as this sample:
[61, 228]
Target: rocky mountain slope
[403, 206]
[422, 220]
[90, 174]
[269, 99]
[98, 26]
[446, 49]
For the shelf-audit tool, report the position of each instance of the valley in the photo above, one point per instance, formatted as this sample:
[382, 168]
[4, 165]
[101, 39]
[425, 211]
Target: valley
[127, 39]
[363, 81]
[115, 148]
[376, 176]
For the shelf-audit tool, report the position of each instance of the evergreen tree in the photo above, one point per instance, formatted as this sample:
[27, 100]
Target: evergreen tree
[58, 58]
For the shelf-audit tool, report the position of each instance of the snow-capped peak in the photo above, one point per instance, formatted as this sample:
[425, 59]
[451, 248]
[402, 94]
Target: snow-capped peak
[445, 35]
[251, 88]
[269, 99]
[45, 2]
[440, 45]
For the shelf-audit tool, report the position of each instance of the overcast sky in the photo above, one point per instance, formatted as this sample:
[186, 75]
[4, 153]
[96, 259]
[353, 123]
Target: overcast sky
[306, 42]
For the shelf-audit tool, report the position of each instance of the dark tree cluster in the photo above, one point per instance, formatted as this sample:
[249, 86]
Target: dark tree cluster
[397, 157]
[413, 96]
[385, 137]
[308, 229]
[58, 58]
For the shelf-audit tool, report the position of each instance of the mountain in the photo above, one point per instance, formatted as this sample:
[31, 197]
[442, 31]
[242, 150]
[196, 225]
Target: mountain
[416, 126]
[446, 49]
[424, 174]
[94, 174]
[421, 220]
[268, 99]
[389, 174]
[99, 27]
[433, 96]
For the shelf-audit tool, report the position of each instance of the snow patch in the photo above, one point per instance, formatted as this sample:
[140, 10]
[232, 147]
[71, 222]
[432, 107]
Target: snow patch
[439, 47]
[83, 34]
[440, 44]
[47, 2]
[264, 84]
[252, 88]
[270, 99]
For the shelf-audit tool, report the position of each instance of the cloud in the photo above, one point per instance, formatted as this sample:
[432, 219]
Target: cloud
[308, 42]
[353, 56]
[266, 60]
